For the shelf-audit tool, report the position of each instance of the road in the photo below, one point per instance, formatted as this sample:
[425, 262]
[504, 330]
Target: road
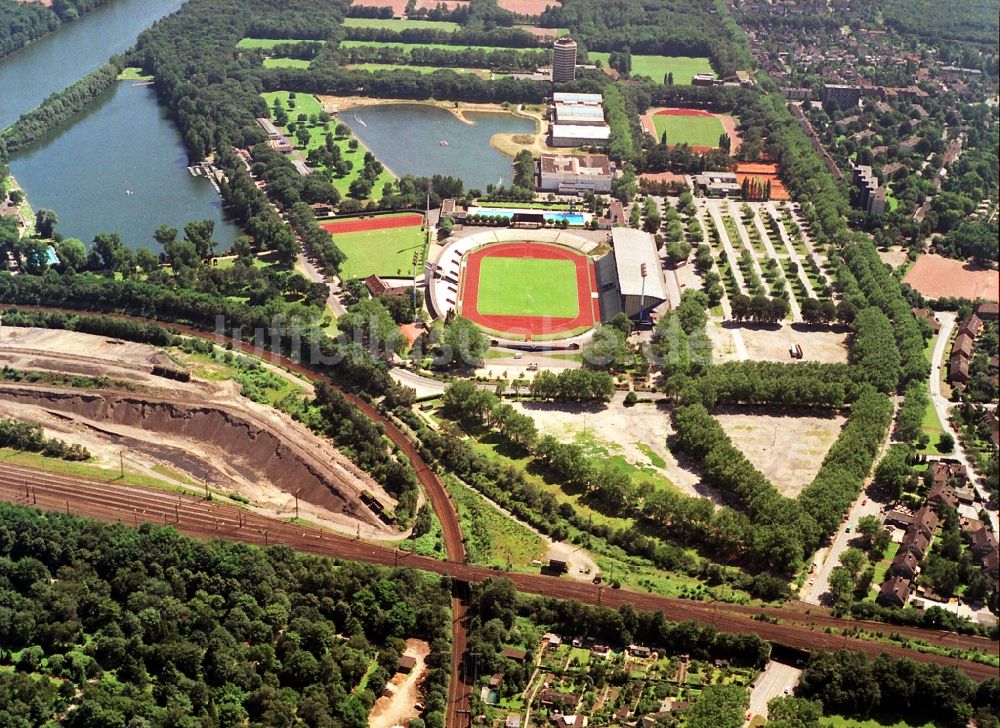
[776, 680]
[942, 406]
[863, 506]
[801, 627]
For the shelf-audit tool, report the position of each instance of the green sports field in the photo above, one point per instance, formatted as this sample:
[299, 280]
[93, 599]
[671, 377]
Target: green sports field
[372, 67]
[399, 24]
[527, 287]
[407, 47]
[381, 252]
[657, 67]
[285, 63]
[698, 131]
[268, 43]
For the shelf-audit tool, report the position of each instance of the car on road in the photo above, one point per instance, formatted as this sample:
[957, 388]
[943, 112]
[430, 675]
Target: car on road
[847, 530]
[864, 502]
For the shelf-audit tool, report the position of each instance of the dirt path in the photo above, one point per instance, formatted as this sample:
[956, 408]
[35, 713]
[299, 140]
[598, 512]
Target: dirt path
[399, 707]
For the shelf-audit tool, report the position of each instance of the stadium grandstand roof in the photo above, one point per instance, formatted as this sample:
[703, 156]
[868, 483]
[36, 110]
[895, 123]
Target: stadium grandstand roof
[632, 248]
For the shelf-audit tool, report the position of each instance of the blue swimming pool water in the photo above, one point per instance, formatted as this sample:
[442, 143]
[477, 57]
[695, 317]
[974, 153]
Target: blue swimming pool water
[573, 218]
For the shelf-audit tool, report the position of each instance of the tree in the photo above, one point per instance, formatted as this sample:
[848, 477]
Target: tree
[45, 223]
[72, 253]
[874, 536]
[199, 234]
[370, 324]
[946, 443]
[787, 711]
[893, 471]
[466, 344]
[606, 349]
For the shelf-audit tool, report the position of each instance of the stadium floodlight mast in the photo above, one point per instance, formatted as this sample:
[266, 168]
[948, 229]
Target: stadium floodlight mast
[416, 259]
[642, 297]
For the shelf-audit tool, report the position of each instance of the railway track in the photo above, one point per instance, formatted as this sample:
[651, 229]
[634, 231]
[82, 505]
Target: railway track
[807, 633]
[207, 519]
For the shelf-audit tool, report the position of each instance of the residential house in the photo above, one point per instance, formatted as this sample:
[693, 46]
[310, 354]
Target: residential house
[570, 721]
[962, 346]
[972, 326]
[514, 653]
[988, 311]
[894, 592]
[926, 520]
[958, 371]
[548, 696]
[915, 540]
[904, 564]
[406, 664]
[942, 494]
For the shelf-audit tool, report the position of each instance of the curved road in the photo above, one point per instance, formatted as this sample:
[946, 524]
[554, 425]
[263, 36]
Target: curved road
[198, 517]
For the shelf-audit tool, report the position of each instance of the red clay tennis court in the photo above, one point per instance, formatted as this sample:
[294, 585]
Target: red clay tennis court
[378, 222]
[526, 327]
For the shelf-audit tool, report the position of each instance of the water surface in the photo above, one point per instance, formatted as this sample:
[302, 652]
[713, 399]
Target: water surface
[407, 138]
[119, 167]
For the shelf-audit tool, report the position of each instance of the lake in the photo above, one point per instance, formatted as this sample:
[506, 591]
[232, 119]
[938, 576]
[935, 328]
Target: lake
[122, 143]
[62, 58]
[406, 139]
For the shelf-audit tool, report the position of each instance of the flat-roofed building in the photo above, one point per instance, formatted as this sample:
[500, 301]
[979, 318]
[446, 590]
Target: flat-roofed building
[575, 173]
[568, 97]
[576, 135]
[582, 114]
[718, 184]
[635, 254]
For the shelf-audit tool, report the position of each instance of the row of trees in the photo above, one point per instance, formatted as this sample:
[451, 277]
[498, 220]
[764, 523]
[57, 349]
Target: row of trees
[759, 308]
[59, 107]
[779, 384]
[573, 385]
[145, 626]
[846, 465]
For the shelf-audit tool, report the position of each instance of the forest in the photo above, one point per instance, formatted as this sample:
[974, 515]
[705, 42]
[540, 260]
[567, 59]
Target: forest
[111, 626]
[21, 23]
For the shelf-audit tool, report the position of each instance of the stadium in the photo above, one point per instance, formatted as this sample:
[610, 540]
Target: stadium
[544, 285]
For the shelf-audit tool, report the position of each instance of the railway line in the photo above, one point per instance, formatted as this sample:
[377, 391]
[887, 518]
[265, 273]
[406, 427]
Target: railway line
[200, 517]
[801, 627]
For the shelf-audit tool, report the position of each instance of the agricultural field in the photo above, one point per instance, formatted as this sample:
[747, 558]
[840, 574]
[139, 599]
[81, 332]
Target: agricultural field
[788, 449]
[384, 251]
[285, 63]
[268, 43]
[309, 105]
[696, 131]
[400, 24]
[657, 67]
[528, 287]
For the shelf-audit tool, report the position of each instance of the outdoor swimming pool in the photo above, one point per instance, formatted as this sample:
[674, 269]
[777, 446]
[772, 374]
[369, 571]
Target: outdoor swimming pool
[572, 218]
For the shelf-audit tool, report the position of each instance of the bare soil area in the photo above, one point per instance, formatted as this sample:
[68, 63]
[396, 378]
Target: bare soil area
[894, 256]
[937, 277]
[184, 433]
[398, 706]
[787, 448]
[772, 343]
[630, 431]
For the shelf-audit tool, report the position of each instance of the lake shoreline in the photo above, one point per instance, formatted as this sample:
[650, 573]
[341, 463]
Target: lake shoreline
[502, 142]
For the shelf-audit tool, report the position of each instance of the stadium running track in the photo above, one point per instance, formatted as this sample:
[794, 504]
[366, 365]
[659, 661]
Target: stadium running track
[589, 311]
[647, 123]
[385, 222]
[202, 518]
[199, 517]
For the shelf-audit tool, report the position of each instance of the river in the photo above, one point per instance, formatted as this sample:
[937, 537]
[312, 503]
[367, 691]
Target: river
[121, 143]
[407, 138]
[62, 58]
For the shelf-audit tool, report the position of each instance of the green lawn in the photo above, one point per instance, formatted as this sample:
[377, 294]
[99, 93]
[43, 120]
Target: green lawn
[437, 46]
[271, 42]
[931, 425]
[285, 63]
[372, 67]
[698, 131]
[657, 67]
[380, 252]
[528, 287]
[309, 105]
[398, 24]
[839, 721]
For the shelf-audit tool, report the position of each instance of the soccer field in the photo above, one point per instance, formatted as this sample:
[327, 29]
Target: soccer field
[527, 287]
[698, 131]
[657, 67]
[268, 43]
[386, 252]
[285, 63]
